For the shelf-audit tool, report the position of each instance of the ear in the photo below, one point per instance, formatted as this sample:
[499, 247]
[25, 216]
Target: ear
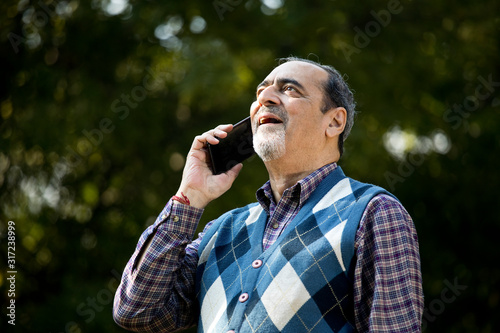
[337, 119]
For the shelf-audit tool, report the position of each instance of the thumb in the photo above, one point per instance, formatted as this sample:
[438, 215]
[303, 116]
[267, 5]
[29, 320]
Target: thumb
[234, 171]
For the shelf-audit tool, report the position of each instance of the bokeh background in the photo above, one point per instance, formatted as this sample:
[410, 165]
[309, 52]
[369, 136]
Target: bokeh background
[100, 101]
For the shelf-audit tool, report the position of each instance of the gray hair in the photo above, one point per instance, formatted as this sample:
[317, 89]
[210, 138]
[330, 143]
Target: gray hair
[337, 94]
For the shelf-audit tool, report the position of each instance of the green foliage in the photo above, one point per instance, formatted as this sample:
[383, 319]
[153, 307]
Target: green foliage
[99, 105]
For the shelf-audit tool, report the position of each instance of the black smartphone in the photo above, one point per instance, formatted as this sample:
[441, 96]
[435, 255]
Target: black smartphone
[236, 147]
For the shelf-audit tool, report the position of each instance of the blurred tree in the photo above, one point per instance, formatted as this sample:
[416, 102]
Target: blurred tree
[100, 100]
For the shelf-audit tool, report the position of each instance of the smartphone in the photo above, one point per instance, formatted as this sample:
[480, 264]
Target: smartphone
[236, 147]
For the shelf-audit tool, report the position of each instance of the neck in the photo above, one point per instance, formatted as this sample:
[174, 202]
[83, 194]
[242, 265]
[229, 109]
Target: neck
[283, 175]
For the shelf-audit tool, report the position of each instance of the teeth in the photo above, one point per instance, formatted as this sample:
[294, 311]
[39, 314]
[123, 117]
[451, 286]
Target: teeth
[268, 120]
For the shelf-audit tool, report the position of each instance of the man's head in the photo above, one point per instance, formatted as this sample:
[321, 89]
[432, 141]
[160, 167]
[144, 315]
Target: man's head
[301, 97]
[337, 93]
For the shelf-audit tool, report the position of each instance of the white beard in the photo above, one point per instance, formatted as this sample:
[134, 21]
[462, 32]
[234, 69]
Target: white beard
[269, 144]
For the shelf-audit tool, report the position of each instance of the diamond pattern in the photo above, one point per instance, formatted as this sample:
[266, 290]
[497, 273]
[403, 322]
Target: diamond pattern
[254, 214]
[229, 253]
[302, 285]
[284, 296]
[206, 252]
[214, 305]
[304, 235]
[339, 191]
[334, 237]
[340, 308]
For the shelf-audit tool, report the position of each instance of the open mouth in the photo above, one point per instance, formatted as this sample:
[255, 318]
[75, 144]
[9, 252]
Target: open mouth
[269, 120]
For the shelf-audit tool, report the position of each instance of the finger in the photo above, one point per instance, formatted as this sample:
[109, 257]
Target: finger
[234, 171]
[199, 142]
[212, 136]
[221, 131]
[225, 127]
[254, 107]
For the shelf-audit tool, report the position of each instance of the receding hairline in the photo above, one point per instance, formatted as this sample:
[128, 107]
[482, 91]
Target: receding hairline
[303, 62]
[284, 61]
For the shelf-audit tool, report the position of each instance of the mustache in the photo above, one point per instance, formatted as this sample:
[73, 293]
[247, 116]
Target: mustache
[278, 111]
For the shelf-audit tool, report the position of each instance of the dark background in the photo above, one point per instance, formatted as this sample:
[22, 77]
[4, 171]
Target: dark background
[100, 101]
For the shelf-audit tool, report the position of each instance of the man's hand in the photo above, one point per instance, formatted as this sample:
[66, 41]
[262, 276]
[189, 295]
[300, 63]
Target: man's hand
[198, 183]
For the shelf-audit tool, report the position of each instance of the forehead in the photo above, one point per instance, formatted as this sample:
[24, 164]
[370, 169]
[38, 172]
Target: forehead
[308, 75]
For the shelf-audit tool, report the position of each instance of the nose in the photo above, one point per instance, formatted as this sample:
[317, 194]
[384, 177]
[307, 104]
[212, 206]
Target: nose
[268, 96]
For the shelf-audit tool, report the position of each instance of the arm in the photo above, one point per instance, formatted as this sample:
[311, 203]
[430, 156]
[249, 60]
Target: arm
[157, 289]
[157, 293]
[388, 293]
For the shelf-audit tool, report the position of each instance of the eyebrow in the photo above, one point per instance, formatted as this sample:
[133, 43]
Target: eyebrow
[282, 82]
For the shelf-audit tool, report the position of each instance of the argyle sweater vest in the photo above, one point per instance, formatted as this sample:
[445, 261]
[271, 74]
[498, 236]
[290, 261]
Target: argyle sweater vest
[301, 283]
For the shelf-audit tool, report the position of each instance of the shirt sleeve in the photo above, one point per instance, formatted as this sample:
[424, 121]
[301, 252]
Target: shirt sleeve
[388, 294]
[157, 294]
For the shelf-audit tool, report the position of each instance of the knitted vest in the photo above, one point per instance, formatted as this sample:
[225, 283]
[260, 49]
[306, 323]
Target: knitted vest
[301, 283]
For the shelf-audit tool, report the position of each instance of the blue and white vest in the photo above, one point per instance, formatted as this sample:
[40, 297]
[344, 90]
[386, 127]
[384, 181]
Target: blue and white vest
[301, 283]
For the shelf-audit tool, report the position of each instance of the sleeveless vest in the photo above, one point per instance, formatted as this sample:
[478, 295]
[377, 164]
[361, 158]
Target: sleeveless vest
[301, 283]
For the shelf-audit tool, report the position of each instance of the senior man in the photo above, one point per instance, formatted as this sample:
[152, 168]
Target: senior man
[317, 252]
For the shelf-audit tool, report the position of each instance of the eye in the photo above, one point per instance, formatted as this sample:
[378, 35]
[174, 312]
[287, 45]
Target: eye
[290, 89]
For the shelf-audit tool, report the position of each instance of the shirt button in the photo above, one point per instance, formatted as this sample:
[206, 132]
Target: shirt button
[243, 298]
[257, 263]
[175, 218]
[275, 225]
[164, 216]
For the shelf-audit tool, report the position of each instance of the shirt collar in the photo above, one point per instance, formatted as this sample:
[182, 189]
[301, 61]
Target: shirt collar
[301, 191]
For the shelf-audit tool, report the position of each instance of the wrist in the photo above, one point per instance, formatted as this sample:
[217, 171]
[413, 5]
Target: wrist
[182, 198]
[190, 198]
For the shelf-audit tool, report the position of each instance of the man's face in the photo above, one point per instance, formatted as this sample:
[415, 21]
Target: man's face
[286, 116]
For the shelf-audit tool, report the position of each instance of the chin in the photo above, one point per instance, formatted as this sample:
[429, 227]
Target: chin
[268, 145]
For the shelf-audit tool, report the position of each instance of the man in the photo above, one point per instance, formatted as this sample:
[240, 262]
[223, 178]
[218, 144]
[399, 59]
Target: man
[319, 252]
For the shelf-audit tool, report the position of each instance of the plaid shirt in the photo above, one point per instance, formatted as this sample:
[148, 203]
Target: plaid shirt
[291, 201]
[158, 295]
